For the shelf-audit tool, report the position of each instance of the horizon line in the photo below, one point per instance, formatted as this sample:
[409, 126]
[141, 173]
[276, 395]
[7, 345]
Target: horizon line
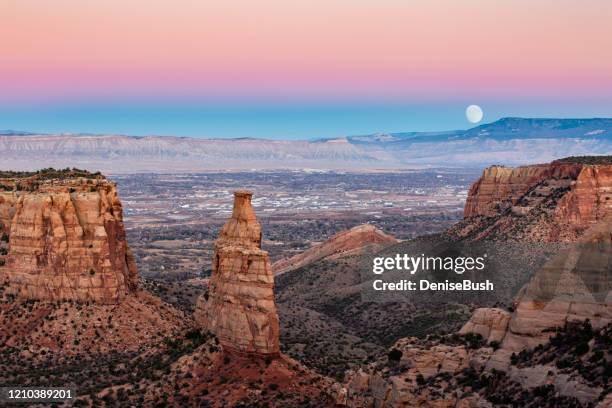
[14, 132]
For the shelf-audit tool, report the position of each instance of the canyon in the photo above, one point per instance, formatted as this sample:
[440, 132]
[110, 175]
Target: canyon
[245, 343]
[101, 327]
[539, 343]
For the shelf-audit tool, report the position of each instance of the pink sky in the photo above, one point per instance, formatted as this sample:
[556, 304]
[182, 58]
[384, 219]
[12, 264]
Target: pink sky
[315, 49]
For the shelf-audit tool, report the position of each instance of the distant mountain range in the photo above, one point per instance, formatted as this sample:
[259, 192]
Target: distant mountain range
[510, 141]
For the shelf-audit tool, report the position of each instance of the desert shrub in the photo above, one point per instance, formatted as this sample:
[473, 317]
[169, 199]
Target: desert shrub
[51, 173]
[420, 379]
[394, 355]
[581, 348]
[474, 340]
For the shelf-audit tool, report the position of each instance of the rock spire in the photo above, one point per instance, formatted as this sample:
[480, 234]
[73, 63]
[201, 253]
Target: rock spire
[239, 306]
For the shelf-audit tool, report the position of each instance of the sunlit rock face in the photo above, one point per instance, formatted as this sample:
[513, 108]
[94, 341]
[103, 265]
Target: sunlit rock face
[569, 201]
[64, 239]
[354, 241]
[500, 184]
[554, 202]
[239, 307]
[573, 286]
[490, 323]
[589, 199]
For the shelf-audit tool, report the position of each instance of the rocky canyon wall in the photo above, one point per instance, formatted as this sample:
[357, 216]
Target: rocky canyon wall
[571, 287]
[239, 306]
[589, 199]
[552, 202]
[499, 184]
[64, 239]
[575, 284]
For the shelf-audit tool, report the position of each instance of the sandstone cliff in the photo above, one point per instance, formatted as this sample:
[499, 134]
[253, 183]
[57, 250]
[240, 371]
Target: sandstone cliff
[351, 242]
[490, 323]
[573, 286]
[68, 281]
[499, 185]
[546, 203]
[66, 240]
[589, 199]
[521, 352]
[531, 352]
[239, 306]
[576, 283]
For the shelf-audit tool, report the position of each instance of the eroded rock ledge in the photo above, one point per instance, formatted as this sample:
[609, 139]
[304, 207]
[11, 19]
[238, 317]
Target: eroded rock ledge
[553, 202]
[63, 238]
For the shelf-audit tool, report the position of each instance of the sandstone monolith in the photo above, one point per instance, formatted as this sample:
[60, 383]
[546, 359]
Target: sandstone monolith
[239, 306]
[64, 239]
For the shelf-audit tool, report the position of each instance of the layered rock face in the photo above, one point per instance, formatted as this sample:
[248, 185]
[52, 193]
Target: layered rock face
[66, 240]
[590, 198]
[239, 307]
[573, 286]
[549, 203]
[490, 323]
[399, 387]
[500, 184]
[350, 242]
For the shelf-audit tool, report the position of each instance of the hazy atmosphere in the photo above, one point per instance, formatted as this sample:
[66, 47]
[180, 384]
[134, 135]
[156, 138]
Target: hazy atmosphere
[291, 70]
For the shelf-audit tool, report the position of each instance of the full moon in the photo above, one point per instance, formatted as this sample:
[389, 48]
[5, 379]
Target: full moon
[474, 113]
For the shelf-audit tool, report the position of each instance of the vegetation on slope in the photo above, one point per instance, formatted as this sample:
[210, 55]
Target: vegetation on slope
[51, 174]
[592, 160]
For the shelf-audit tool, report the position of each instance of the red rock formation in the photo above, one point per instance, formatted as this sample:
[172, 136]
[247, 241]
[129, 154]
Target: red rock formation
[350, 242]
[490, 323]
[547, 203]
[500, 184]
[573, 286]
[590, 197]
[66, 241]
[67, 249]
[398, 386]
[239, 307]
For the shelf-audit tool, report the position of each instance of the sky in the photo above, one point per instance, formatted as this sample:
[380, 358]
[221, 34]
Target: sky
[298, 69]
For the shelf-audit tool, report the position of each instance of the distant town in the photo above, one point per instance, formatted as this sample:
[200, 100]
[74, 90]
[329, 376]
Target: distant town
[171, 217]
